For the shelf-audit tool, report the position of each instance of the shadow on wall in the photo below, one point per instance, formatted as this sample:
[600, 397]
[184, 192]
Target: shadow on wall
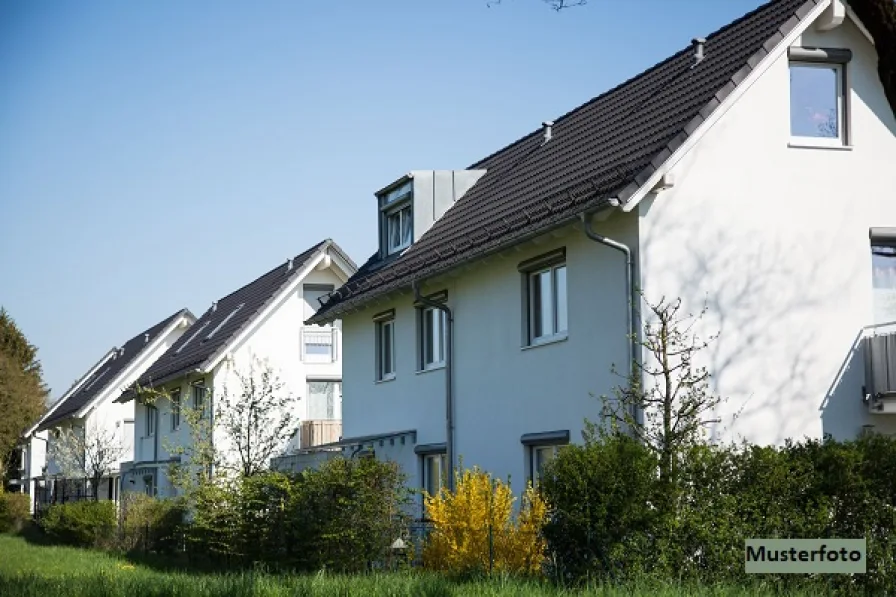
[769, 300]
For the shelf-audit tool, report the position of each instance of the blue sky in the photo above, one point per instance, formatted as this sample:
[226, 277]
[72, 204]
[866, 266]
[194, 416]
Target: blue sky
[158, 155]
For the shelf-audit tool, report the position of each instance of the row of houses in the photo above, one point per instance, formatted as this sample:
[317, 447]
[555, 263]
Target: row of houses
[747, 174]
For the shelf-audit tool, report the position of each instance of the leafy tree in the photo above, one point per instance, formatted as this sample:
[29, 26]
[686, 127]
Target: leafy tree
[22, 391]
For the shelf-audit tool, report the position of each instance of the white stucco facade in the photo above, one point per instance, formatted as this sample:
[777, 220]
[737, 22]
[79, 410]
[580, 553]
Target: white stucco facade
[772, 238]
[106, 418]
[273, 340]
[776, 239]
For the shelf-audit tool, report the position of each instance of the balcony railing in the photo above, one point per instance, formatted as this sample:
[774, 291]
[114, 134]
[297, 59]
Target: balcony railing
[318, 432]
[319, 344]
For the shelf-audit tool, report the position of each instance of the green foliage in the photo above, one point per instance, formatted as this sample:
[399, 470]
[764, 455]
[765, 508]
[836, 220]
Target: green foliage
[603, 522]
[150, 524]
[342, 516]
[85, 524]
[22, 390]
[14, 511]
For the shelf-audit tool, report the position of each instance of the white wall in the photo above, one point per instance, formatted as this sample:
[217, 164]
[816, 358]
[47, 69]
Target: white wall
[274, 339]
[776, 239]
[502, 391]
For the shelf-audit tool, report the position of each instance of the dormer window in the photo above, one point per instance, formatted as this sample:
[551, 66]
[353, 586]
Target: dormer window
[397, 217]
[400, 228]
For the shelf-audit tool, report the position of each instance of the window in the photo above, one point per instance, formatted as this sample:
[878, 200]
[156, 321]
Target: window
[385, 349]
[399, 229]
[322, 397]
[434, 470]
[199, 391]
[175, 409]
[817, 106]
[546, 303]
[433, 323]
[150, 420]
[883, 274]
[539, 457]
[149, 486]
[397, 224]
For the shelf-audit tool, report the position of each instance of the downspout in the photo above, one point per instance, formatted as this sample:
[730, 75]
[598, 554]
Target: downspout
[449, 389]
[632, 298]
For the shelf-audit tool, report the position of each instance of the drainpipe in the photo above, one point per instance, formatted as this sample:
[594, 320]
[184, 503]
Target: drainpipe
[631, 297]
[449, 390]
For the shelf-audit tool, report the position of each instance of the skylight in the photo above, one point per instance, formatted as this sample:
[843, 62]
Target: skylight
[224, 321]
[190, 339]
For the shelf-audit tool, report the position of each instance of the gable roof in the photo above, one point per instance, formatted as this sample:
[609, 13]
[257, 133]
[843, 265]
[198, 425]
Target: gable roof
[228, 316]
[115, 361]
[606, 148]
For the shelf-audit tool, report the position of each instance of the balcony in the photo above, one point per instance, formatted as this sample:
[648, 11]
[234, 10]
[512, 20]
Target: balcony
[319, 432]
[880, 370]
[319, 344]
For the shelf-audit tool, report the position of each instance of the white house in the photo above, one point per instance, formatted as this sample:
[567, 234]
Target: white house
[750, 172]
[258, 326]
[89, 408]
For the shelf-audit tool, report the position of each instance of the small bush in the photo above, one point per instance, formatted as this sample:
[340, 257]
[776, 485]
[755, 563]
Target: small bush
[83, 524]
[150, 524]
[475, 530]
[14, 511]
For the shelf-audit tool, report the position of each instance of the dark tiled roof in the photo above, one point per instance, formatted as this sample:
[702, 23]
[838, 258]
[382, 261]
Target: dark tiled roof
[117, 362]
[232, 313]
[605, 148]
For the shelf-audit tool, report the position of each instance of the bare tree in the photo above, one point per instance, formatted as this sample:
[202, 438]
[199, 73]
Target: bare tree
[86, 452]
[669, 411]
[257, 416]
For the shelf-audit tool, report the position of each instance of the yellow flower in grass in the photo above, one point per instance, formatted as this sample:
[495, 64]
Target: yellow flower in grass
[126, 566]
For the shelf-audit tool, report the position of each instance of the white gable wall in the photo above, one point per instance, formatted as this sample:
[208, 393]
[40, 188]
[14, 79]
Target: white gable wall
[776, 239]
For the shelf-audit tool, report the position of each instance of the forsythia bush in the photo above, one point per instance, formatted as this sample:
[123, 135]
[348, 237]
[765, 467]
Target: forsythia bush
[474, 529]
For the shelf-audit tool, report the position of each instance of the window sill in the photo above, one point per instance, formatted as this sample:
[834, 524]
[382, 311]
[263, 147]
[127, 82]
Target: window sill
[808, 144]
[385, 379]
[546, 341]
[438, 367]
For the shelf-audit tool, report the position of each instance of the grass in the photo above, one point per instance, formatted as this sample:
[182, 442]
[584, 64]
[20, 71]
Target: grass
[30, 570]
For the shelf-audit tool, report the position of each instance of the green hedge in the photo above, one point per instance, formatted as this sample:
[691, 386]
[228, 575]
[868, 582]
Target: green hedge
[149, 524]
[15, 510]
[605, 523]
[85, 524]
[341, 517]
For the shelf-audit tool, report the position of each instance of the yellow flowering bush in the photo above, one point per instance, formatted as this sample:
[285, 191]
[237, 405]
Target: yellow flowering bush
[474, 528]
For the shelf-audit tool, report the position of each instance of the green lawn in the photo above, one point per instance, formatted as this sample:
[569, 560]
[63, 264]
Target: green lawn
[28, 569]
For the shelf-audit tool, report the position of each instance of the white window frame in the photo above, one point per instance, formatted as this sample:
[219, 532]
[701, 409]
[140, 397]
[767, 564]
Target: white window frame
[175, 407]
[398, 214]
[534, 452]
[381, 338]
[152, 420]
[441, 459]
[557, 330]
[841, 139]
[436, 343]
[199, 395]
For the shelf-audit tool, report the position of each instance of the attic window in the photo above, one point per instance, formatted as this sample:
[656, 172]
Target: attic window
[224, 321]
[190, 339]
[819, 106]
[397, 218]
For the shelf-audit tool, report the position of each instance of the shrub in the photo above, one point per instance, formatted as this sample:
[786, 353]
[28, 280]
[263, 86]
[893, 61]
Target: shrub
[150, 524]
[474, 529]
[86, 523]
[601, 521]
[15, 510]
